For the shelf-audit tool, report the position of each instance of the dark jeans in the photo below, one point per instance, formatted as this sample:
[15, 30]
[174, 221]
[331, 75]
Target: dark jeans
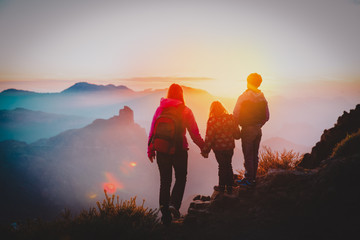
[225, 168]
[166, 163]
[250, 141]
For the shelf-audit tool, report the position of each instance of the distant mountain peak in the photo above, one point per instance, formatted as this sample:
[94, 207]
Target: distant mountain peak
[127, 114]
[125, 117]
[194, 90]
[13, 91]
[89, 87]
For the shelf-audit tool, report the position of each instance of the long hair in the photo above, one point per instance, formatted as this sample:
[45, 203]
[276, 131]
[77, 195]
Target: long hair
[175, 92]
[217, 109]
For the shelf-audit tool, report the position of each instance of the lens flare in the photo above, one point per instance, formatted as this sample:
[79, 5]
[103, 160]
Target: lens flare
[112, 184]
[127, 167]
[109, 187]
[92, 196]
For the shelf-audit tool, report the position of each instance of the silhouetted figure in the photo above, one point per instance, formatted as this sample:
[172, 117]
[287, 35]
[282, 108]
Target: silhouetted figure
[221, 131]
[251, 112]
[167, 139]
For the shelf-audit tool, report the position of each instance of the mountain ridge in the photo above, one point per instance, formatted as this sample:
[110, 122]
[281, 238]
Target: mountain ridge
[83, 87]
[319, 203]
[13, 91]
[64, 170]
[89, 87]
[27, 125]
[346, 124]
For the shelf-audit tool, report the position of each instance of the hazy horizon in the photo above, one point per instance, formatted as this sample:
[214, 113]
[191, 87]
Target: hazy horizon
[307, 53]
[325, 87]
[298, 115]
[295, 124]
[211, 45]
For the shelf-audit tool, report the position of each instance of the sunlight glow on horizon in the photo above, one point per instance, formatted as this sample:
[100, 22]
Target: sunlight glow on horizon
[218, 88]
[222, 75]
[107, 43]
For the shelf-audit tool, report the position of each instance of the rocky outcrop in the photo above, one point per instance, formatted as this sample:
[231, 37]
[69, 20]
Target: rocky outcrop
[317, 203]
[346, 124]
[126, 114]
[63, 170]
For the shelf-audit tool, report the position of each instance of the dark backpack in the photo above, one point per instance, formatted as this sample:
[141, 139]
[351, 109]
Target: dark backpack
[167, 137]
[252, 113]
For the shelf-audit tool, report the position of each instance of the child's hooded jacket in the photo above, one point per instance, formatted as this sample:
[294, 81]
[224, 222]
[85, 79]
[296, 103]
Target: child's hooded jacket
[220, 133]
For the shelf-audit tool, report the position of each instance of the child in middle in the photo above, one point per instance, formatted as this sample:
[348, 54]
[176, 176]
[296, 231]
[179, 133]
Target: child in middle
[221, 131]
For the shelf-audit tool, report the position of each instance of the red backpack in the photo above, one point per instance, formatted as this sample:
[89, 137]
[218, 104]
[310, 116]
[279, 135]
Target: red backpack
[168, 128]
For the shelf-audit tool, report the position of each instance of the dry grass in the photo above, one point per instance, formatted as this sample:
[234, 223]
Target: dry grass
[269, 159]
[348, 145]
[110, 219]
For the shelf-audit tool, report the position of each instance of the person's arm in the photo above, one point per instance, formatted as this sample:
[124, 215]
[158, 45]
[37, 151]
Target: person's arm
[150, 150]
[235, 129]
[209, 138]
[267, 114]
[236, 112]
[192, 128]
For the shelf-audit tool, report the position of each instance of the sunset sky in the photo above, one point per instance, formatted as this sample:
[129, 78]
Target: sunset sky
[47, 45]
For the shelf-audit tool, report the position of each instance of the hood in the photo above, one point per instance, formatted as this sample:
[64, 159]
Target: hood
[169, 102]
[257, 96]
[222, 118]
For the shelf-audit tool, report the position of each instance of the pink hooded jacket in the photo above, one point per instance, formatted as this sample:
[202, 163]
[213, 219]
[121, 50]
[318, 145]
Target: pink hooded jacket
[188, 120]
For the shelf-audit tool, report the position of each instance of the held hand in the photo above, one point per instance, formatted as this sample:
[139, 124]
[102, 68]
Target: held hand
[205, 155]
[151, 156]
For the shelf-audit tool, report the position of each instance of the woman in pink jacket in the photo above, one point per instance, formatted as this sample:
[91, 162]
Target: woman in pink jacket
[178, 159]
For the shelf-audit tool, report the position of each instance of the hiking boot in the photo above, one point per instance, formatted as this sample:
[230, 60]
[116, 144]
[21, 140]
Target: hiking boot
[166, 219]
[174, 212]
[229, 189]
[245, 183]
[230, 192]
[219, 188]
[205, 198]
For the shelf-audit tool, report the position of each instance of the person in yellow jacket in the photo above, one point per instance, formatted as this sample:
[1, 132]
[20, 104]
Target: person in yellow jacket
[251, 112]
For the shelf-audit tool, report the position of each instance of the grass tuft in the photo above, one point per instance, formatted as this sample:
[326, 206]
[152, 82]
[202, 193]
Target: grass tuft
[269, 159]
[112, 219]
[349, 145]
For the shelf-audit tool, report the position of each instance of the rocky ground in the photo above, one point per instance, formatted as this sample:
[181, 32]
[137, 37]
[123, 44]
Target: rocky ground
[302, 204]
[321, 201]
